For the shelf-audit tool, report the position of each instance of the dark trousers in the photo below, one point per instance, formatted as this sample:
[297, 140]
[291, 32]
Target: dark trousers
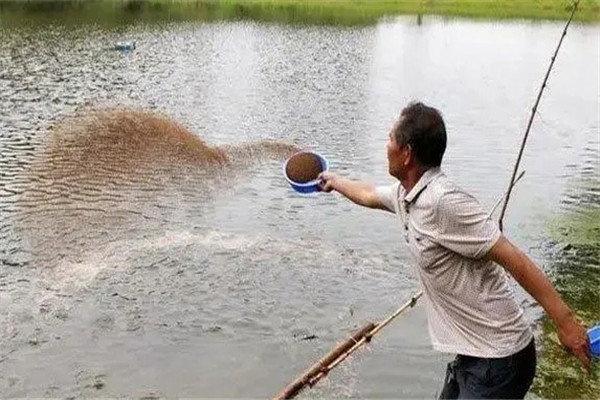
[490, 378]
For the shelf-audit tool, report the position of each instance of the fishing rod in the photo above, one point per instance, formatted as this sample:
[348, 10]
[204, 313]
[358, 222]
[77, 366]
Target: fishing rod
[533, 112]
[342, 351]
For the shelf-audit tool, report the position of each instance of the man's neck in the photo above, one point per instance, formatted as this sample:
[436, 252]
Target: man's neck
[412, 177]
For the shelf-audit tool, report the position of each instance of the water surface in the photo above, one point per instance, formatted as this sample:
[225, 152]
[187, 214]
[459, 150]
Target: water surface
[198, 280]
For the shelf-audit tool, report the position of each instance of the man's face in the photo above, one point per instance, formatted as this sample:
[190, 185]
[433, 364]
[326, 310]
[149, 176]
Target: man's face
[395, 154]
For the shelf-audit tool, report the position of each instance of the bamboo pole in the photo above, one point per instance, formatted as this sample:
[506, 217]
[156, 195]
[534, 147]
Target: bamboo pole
[339, 353]
[533, 111]
[298, 384]
[504, 195]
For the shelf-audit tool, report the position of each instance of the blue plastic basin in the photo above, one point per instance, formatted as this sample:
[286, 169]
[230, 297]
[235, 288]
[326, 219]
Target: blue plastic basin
[310, 186]
[594, 335]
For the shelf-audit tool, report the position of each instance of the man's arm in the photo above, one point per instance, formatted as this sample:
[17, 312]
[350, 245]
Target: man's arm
[570, 332]
[361, 193]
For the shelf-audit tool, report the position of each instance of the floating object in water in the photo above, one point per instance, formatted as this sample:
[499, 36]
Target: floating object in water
[124, 46]
[302, 171]
[594, 335]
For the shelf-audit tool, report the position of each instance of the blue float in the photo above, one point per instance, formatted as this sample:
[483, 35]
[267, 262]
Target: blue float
[124, 46]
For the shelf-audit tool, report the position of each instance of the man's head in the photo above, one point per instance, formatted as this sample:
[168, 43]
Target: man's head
[417, 140]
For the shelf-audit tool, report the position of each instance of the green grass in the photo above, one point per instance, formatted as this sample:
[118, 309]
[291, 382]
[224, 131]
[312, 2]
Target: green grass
[575, 272]
[328, 12]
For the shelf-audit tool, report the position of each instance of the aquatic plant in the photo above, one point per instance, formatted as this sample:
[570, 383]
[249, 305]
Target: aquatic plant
[574, 269]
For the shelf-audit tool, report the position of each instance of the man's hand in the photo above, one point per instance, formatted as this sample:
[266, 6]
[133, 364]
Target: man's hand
[326, 180]
[361, 193]
[575, 338]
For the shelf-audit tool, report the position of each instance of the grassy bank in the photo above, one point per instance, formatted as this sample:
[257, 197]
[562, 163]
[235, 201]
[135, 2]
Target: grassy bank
[334, 12]
[575, 271]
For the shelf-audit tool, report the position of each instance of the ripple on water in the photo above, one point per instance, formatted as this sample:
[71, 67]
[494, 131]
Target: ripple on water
[90, 211]
[102, 172]
[112, 258]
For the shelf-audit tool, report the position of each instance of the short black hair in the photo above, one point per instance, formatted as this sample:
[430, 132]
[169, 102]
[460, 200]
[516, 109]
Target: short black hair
[422, 127]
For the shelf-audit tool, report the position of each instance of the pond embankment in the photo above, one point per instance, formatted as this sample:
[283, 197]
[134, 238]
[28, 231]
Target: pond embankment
[338, 12]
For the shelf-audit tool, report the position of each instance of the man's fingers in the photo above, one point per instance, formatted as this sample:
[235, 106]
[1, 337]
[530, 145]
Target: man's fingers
[324, 185]
[584, 357]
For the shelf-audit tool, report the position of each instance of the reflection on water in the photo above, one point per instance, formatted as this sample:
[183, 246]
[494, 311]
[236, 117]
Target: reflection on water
[182, 264]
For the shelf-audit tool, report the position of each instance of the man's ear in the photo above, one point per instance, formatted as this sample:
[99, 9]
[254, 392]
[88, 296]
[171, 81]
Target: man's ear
[409, 155]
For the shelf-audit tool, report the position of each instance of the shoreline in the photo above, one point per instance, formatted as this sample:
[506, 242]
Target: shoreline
[326, 12]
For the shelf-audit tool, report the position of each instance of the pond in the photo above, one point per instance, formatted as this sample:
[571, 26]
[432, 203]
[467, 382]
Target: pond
[128, 271]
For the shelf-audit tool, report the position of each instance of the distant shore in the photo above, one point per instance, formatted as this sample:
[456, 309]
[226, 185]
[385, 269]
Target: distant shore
[334, 12]
[588, 10]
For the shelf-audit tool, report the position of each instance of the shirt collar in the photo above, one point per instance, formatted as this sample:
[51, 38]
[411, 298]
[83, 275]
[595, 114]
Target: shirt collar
[425, 179]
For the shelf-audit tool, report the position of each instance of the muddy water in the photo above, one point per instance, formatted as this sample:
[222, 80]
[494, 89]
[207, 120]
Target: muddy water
[182, 264]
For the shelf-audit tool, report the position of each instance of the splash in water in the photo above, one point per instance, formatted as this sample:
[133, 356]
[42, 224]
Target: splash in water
[107, 175]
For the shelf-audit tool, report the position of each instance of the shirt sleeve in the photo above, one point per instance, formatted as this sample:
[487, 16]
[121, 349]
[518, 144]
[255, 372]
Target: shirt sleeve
[463, 226]
[387, 196]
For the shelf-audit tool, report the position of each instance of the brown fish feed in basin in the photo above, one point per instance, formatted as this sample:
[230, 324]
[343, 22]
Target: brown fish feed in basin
[303, 167]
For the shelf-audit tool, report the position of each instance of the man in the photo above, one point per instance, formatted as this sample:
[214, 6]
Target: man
[460, 252]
